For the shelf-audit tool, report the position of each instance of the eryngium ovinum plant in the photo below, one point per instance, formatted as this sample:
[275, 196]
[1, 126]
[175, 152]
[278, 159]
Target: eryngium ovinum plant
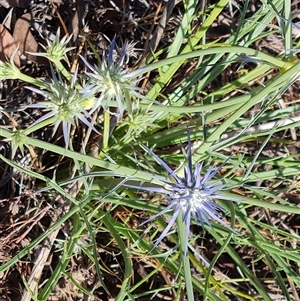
[191, 196]
[66, 100]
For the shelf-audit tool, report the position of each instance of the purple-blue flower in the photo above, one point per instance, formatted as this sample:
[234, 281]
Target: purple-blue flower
[192, 195]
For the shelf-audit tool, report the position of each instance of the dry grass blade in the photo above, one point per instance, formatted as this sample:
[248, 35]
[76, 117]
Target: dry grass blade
[159, 31]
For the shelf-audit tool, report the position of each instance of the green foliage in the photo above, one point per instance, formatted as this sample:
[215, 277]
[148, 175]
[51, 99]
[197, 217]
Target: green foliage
[221, 124]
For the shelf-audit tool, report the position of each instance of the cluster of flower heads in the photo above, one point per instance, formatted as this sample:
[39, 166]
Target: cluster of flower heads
[65, 100]
[192, 196]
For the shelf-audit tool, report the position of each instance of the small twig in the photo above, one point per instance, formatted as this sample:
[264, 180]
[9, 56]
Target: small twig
[75, 61]
[60, 19]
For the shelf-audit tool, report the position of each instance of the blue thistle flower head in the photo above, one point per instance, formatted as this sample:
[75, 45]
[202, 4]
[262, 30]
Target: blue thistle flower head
[192, 196]
[113, 82]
